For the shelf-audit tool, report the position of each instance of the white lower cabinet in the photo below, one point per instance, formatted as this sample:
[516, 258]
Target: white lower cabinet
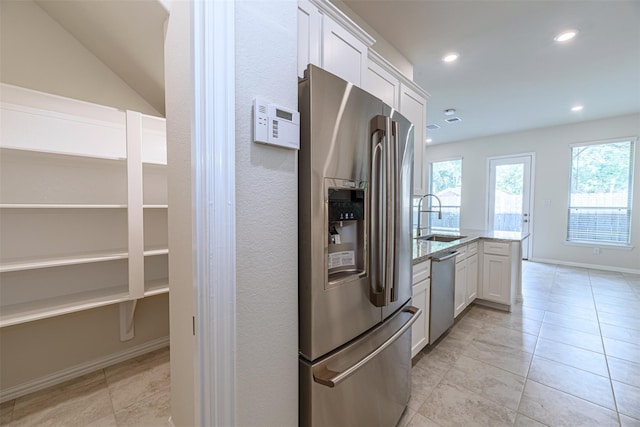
[460, 295]
[421, 298]
[495, 278]
[466, 278]
[472, 278]
[500, 271]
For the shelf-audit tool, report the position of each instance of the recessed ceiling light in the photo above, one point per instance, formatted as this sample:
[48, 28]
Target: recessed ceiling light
[429, 140]
[449, 112]
[565, 35]
[577, 108]
[450, 57]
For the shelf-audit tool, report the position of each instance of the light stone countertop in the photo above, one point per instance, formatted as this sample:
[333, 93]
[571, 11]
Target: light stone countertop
[425, 249]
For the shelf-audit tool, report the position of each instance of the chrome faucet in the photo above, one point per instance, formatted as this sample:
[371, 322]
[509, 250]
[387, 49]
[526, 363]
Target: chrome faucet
[439, 211]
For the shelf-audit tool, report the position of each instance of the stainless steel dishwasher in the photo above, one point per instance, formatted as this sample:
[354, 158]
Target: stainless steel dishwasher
[443, 270]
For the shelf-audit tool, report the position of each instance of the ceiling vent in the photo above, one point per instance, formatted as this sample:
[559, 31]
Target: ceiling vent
[453, 120]
[433, 126]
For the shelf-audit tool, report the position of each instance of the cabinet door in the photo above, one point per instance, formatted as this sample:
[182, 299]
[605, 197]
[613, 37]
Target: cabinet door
[414, 108]
[382, 84]
[472, 278]
[460, 293]
[420, 329]
[342, 53]
[495, 278]
[309, 34]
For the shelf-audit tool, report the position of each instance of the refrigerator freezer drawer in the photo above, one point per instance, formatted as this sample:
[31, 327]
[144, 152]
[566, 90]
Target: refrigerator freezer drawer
[368, 383]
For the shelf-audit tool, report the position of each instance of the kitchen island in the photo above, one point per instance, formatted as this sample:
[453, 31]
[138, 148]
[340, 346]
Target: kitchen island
[488, 271]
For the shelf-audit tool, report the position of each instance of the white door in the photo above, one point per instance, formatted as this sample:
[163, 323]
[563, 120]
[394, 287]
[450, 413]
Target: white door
[510, 191]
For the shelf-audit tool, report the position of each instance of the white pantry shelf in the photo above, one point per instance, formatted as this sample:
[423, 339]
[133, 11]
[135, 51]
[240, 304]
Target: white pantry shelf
[59, 262]
[83, 193]
[156, 287]
[155, 252]
[53, 152]
[41, 309]
[58, 206]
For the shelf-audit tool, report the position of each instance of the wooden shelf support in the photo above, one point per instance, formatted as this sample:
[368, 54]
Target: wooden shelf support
[127, 312]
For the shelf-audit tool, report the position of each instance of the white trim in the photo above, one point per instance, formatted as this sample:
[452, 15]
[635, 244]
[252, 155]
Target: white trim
[587, 266]
[595, 244]
[214, 208]
[446, 159]
[81, 369]
[604, 141]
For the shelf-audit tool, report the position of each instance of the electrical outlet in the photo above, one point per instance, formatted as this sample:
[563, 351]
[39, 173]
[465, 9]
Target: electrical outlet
[596, 251]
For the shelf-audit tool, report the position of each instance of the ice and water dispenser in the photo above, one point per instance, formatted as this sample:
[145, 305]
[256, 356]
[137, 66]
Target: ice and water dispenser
[346, 234]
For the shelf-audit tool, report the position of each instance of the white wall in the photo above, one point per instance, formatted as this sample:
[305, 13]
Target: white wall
[178, 93]
[37, 53]
[552, 166]
[267, 227]
[266, 218]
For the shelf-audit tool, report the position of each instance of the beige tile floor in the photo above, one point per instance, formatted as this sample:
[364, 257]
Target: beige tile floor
[568, 355]
[132, 393]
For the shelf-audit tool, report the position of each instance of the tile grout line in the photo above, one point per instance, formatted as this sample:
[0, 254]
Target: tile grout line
[113, 409]
[604, 349]
[533, 355]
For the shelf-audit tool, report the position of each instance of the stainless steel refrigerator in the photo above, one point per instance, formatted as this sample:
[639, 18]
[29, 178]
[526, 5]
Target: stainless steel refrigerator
[355, 256]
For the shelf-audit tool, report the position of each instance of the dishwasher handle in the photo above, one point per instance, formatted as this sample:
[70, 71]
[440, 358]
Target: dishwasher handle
[446, 257]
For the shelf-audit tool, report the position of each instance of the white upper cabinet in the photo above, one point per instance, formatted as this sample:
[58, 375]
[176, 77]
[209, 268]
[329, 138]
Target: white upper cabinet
[329, 39]
[413, 105]
[309, 35]
[342, 53]
[381, 81]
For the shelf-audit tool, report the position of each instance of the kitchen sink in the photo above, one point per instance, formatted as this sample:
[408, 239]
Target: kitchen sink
[441, 238]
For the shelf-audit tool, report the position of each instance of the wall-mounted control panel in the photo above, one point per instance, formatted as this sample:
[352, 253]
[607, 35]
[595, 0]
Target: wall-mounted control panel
[275, 125]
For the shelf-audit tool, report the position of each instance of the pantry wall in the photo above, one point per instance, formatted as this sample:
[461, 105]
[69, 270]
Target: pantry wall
[39, 54]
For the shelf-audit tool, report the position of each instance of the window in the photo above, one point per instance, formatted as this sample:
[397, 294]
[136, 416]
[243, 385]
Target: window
[600, 192]
[444, 183]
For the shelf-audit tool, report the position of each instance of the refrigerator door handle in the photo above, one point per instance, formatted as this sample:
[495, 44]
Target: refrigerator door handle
[394, 199]
[329, 378]
[376, 255]
[390, 210]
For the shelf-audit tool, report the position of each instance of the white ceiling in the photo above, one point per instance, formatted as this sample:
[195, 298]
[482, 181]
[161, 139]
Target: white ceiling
[127, 36]
[511, 75]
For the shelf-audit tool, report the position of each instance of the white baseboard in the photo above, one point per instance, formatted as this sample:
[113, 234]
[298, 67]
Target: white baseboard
[589, 266]
[81, 369]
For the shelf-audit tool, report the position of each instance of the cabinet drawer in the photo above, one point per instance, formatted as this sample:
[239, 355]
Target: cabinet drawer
[496, 248]
[472, 248]
[421, 271]
[462, 253]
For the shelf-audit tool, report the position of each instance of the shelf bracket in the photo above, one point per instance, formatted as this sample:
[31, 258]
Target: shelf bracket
[127, 311]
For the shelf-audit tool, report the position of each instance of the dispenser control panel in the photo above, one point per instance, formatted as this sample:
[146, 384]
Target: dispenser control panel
[275, 125]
